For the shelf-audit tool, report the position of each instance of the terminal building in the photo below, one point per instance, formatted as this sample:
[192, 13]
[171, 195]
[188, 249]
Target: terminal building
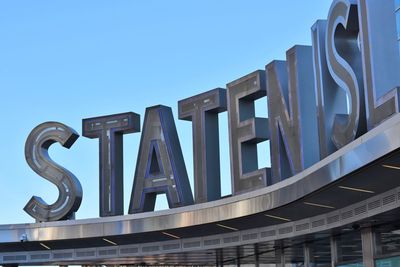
[342, 210]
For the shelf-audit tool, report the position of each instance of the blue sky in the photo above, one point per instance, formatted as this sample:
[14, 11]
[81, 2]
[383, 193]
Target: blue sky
[68, 60]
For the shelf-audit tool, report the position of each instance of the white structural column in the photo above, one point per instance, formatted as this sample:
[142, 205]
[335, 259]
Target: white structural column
[308, 259]
[368, 247]
[280, 257]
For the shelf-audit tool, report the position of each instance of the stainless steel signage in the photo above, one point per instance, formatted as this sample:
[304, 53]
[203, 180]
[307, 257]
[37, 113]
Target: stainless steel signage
[109, 130]
[37, 156]
[334, 91]
[160, 166]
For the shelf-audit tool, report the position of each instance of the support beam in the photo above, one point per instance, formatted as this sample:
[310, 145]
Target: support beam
[238, 256]
[334, 252]
[256, 256]
[219, 255]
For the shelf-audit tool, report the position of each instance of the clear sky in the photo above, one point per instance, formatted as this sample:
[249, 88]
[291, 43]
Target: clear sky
[68, 60]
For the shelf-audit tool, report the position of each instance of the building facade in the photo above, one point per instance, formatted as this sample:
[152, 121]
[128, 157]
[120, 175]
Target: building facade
[342, 211]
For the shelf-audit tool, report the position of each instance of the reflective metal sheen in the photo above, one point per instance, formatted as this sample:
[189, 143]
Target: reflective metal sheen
[203, 111]
[37, 156]
[110, 130]
[373, 145]
[160, 167]
[291, 112]
[380, 58]
[344, 63]
[331, 100]
[245, 131]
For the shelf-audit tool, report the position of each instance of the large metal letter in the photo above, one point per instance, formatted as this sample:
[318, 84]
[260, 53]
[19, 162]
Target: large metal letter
[245, 131]
[381, 61]
[291, 111]
[160, 166]
[203, 111]
[37, 156]
[344, 63]
[110, 130]
[331, 100]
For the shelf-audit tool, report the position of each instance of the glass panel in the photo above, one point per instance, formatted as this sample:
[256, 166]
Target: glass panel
[390, 262]
[349, 248]
[266, 253]
[294, 255]
[351, 265]
[321, 252]
[388, 240]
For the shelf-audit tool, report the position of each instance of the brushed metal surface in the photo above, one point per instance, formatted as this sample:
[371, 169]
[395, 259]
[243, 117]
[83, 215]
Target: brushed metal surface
[203, 110]
[160, 166]
[37, 157]
[292, 113]
[381, 61]
[373, 145]
[188, 249]
[245, 131]
[344, 62]
[110, 130]
[331, 100]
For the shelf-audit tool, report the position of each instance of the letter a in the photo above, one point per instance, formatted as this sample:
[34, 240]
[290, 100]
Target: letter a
[160, 166]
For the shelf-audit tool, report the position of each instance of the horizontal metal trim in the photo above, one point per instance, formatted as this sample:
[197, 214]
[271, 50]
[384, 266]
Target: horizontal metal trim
[237, 238]
[375, 144]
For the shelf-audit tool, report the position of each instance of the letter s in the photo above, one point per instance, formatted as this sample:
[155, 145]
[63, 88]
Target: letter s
[344, 62]
[37, 156]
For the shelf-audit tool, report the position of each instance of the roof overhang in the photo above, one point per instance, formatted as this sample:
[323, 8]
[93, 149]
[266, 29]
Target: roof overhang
[366, 168]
